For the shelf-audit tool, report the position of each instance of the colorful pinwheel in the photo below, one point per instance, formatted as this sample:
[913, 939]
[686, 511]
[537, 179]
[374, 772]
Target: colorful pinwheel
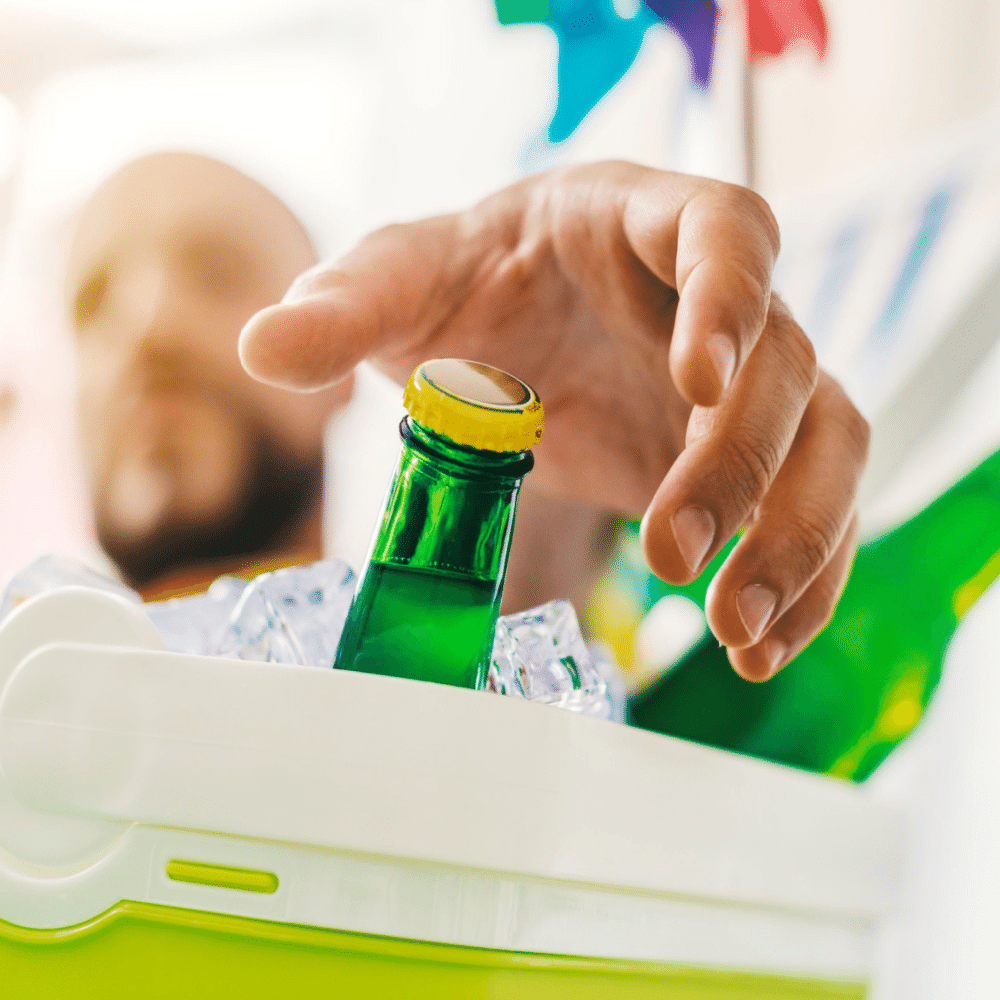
[597, 45]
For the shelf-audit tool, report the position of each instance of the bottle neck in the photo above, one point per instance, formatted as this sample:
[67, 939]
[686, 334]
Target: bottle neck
[951, 549]
[450, 508]
[461, 460]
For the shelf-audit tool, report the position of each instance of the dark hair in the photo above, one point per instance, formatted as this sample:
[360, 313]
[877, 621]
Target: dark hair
[280, 491]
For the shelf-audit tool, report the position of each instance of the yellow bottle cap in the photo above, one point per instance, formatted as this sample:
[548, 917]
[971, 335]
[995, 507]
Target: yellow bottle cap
[475, 405]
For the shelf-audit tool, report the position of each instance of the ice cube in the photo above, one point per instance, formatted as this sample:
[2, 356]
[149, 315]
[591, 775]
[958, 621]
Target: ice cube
[617, 689]
[51, 571]
[292, 615]
[540, 655]
[195, 624]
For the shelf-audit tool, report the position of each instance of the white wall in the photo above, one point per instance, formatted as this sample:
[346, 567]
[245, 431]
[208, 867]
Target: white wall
[897, 72]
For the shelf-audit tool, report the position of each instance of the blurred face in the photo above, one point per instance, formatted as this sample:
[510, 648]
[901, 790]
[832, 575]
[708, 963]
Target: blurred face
[191, 461]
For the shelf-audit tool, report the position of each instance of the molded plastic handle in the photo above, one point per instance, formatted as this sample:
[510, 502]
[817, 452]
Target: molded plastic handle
[68, 614]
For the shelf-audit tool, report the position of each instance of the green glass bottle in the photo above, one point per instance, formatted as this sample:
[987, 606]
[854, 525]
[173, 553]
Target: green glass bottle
[429, 595]
[862, 685]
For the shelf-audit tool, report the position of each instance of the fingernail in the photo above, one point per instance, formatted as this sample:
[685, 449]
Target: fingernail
[775, 652]
[723, 354]
[694, 531]
[756, 604]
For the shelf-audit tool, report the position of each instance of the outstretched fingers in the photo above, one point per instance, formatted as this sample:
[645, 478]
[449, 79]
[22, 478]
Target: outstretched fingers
[783, 462]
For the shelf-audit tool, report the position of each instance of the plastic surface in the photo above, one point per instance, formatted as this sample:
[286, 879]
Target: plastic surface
[431, 902]
[70, 613]
[943, 943]
[235, 747]
[161, 952]
[409, 810]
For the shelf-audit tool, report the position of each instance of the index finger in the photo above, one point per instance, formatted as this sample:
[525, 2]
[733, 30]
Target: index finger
[718, 249]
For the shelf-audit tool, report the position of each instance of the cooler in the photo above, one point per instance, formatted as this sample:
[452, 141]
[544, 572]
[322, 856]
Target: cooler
[181, 826]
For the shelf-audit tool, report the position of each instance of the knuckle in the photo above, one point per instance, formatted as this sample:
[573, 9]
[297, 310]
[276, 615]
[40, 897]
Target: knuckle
[761, 213]
[754, 210]
[813, 534]
[859, 431]
[516, 272]
[753, 291]
[854, 427]
[796, 349]
[807, 351]
[752, 459]
[385, 234]
[857, 428]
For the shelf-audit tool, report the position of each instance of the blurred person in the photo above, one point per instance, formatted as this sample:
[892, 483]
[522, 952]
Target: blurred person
[195, 469]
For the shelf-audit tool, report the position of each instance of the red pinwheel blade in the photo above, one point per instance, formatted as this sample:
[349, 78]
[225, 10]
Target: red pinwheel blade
[772, 25]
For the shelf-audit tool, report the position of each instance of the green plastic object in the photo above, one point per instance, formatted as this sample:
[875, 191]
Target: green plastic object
[166, 953]
[427, 604]
[863, 684]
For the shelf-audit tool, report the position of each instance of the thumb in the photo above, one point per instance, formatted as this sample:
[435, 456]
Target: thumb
[393, 290]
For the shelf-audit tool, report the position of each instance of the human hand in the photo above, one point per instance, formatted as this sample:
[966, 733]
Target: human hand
[637, 303]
